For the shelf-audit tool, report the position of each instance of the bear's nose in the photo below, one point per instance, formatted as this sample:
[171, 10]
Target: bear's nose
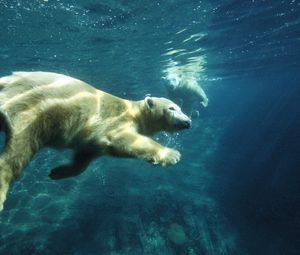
[186, 123]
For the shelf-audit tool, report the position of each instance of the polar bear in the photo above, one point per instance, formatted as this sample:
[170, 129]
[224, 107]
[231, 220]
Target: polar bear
[183, 87]
[40, 109]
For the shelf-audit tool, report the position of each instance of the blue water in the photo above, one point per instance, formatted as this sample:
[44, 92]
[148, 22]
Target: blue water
[236, 189]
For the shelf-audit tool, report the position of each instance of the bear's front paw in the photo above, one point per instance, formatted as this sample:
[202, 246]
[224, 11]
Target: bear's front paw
[167, 157]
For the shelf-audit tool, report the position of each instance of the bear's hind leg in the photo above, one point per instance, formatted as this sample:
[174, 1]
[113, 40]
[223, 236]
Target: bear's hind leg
[80, 162]
[16, 154]
[5, 179]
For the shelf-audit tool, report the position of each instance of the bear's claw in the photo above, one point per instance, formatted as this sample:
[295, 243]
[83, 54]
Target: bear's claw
[167, 157]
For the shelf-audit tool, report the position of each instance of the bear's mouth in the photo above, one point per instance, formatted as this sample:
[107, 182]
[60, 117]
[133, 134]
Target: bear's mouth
[183, 124]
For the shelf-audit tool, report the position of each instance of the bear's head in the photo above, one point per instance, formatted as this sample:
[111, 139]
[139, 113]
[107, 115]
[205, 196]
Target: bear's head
[165, 115]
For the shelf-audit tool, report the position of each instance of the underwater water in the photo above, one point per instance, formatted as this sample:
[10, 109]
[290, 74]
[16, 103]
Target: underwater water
[236, 189]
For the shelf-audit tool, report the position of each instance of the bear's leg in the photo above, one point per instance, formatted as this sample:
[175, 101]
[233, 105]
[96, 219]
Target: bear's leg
[200, 92]
[16, 154]
[5, 180]
[80, 162]
[134, 145]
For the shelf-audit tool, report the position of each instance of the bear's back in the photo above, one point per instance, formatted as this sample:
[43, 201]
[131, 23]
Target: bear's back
[24, 95]
[31, 83]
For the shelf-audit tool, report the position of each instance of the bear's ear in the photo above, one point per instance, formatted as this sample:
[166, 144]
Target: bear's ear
[149, 102]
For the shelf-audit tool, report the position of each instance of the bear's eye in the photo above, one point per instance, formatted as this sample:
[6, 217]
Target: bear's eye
[171, 108]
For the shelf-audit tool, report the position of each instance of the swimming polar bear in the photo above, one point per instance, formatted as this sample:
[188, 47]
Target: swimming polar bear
[40, 109]
[180, 85]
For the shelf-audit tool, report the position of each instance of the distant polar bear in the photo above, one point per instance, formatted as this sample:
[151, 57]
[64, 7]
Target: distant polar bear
[180, 85]
[184, 88]
[47, 109]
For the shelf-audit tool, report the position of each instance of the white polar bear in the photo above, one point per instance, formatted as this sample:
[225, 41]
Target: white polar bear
[180, 84]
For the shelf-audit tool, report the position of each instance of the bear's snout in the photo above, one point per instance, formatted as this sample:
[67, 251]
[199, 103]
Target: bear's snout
[187, 123]
[183, 123]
